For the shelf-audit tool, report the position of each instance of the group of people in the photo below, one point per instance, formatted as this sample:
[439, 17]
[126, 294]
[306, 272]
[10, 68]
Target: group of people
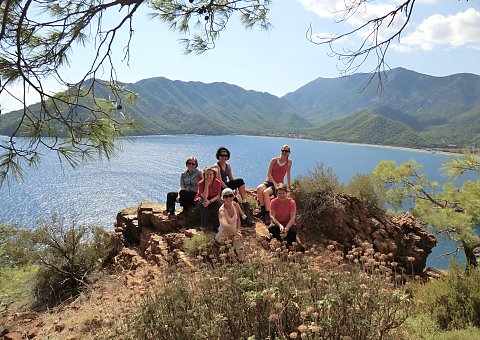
[214, 190]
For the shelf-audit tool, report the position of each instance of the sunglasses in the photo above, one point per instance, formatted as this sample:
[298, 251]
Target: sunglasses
[287, 151]
[191, 164]
[223, 155]
[228, 196]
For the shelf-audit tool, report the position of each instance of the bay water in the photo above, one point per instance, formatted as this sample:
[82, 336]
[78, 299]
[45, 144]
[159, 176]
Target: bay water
[148, 167]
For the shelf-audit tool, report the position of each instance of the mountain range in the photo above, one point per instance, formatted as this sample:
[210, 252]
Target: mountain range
[407, 109]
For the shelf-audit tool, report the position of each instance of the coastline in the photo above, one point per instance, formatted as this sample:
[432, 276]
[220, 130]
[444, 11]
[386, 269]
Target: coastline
[294, 136]
[304, 137]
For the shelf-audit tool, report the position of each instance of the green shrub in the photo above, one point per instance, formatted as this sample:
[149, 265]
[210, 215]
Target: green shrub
[66, 255]
[270, 297]
[367, 189]
[15, 286]
[198, 244]
[454, 300]
[421, 326]
[319, 179]
[312, 190]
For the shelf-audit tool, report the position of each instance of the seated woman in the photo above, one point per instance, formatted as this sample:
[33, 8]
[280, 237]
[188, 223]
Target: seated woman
[208, 197]
[224, 174]
[277, 169]
[188, 187]
[229, 216]
[282, 214]
[225, 171]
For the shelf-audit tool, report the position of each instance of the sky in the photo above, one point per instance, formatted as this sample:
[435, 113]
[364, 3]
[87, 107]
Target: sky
[442, 38]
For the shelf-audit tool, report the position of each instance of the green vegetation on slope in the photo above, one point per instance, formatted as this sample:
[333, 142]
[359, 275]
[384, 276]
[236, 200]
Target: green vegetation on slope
[371, 128]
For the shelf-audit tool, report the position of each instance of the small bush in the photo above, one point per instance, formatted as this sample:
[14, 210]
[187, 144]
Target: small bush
[454, 300]
[15, 285]
[198, 244]
[367, 189]
[319, 185]
[66, 255]
[319, 179]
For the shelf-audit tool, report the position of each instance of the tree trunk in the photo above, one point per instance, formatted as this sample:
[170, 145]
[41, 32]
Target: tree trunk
[471, 258]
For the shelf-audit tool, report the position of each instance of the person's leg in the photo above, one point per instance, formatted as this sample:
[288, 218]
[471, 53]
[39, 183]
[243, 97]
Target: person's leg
[292, 235]
[203, 216]
[261, 202]
[266, 198]
[260, 190]
[275, 231]
[239, 183]
[214, 207]
[187, 198]
[171, 198]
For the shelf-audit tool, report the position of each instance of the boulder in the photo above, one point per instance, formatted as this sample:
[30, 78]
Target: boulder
[346, 220]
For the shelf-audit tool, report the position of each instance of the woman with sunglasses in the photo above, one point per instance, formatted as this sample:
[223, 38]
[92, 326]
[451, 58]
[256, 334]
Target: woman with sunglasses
[208, 197]
[229, 217]
[225, 171]
[188, 187]
[277, 169]
[224, 174]
[282, 213]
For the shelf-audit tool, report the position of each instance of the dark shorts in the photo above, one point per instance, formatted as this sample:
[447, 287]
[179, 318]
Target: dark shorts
[235, 184]
[269, 185]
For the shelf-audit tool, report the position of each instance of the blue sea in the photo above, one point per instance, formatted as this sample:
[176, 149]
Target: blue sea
[146, 168]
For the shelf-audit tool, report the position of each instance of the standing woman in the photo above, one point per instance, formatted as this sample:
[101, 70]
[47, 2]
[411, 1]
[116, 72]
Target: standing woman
[188, 187]
[277, 169]
[208, 197]
[229, 217]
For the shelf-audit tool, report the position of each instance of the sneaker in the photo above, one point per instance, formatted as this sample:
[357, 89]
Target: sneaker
[260, 213]
[248, 222]
[266, 219]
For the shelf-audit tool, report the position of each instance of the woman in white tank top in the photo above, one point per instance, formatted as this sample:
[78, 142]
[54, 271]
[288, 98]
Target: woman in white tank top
[229, 217]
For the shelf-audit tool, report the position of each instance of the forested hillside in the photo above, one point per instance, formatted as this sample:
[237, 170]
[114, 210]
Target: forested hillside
[408, 109]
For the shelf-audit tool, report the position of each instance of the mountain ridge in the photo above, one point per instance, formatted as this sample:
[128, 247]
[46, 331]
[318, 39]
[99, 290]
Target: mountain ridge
[428, 111]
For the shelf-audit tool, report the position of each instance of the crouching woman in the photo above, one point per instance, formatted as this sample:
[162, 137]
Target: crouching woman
[229, 217]
[283, 211]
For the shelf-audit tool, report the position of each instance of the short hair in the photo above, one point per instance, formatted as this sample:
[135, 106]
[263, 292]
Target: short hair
[222, 149]
[192, 158]
[227, 191]
[281, 186]
[209, 168]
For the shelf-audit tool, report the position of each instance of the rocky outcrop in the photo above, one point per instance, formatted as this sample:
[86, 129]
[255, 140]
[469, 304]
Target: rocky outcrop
[346, 221]
[323, 219]
[148, 235]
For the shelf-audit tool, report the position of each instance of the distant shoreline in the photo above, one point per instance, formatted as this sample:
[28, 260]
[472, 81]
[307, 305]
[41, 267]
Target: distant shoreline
[428, 150]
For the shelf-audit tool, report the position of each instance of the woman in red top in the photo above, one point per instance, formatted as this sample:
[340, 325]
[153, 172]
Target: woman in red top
[208, 197]
[277, 169]
[283, 212]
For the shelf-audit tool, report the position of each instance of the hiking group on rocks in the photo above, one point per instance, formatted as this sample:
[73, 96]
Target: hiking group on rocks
[213, 192]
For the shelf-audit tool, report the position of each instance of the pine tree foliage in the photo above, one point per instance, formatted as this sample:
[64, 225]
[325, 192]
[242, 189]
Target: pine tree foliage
[453, 210]
[37, 41]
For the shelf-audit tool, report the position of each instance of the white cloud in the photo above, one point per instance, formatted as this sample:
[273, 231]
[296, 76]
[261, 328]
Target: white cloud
[461, 29]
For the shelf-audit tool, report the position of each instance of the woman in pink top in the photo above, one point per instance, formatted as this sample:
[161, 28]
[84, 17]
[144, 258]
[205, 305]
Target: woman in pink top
[277, 169]
[208, 197]
[283, 212]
